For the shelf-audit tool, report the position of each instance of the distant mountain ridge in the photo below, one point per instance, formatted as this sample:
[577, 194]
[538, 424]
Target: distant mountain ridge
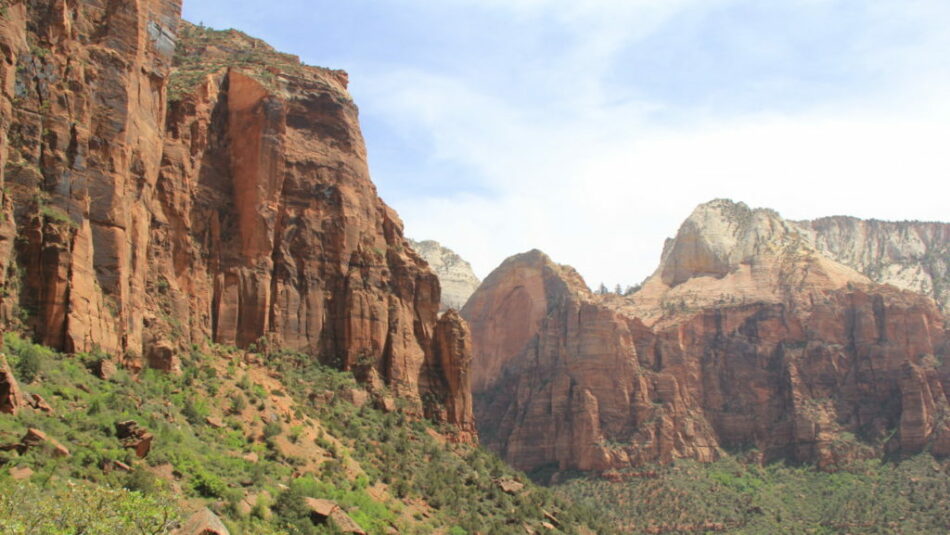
[455, 273]
[750, 334]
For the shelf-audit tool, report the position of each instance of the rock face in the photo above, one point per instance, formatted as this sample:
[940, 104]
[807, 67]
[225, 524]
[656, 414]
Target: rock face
[910, 255]
[747, 336]
[11, 398]
[455, 274]
[166, 185]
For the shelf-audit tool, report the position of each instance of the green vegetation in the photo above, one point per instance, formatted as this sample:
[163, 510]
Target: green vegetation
[871, 497]
[56, 215]
[203, 51]
[82, 507]
[231, 439]
[459, 482]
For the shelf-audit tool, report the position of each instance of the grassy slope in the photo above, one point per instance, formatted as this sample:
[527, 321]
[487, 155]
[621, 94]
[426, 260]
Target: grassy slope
[388, 470]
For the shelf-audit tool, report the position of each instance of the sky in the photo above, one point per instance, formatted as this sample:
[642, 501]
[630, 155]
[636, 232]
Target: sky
[591, 129]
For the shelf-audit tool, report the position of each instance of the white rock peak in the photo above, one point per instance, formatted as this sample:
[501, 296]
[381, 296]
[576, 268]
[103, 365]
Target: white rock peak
[457, 279]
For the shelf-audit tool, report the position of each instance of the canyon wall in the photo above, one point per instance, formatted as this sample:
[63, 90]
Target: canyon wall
[166, 185]
[747, 338]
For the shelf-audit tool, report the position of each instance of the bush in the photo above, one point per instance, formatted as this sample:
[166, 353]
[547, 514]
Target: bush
[28, 359]
[272, 429]
[293, 512]
[208, 485]
[195, 411]
[238, 403]
[141, 480]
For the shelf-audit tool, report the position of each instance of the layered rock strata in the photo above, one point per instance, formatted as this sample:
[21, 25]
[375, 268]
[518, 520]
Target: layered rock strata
[167, 185]
[748, 337]
[912, 255]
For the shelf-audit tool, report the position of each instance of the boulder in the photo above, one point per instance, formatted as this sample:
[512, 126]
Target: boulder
[105, 369]
[19, 473]
[203, 522]
[356, 396]
[320, 510]
[510, 486]
[214, 422]
[163, 355]
[40, 404]
[34, 438]
[328, 512]
[134, 437]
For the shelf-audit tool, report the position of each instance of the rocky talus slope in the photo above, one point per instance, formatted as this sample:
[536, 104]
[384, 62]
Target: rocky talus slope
[456, 277]
[167, 185]
[748, 336]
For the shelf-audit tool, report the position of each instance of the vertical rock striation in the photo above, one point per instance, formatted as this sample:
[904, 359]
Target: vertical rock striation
[168, 185]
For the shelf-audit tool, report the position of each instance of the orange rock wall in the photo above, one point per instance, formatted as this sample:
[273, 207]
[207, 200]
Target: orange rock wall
[595, 389]
[241, 214]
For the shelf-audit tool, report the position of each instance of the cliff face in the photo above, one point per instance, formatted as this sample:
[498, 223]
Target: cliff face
[167, 185]
[910, 255]
[456, 277]
[746, 337]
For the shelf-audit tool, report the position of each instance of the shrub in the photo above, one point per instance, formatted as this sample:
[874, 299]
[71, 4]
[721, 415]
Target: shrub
[208, 485]
[81, 507]
[141, 480]
[28, 360]
[195, 411]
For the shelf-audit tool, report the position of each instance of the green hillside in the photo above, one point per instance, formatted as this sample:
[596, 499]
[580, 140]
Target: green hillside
[249, 436]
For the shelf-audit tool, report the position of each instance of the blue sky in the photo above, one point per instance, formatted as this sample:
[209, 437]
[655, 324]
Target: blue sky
[591, 129]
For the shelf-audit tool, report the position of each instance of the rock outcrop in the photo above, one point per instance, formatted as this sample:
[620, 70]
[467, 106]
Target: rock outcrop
[747, 336]
[11, 397]
[455, 274]
[34, 438]
[327, 512]
[167, 185]
[134, 437]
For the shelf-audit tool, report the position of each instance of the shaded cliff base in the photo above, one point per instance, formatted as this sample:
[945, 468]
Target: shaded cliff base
[251, 438]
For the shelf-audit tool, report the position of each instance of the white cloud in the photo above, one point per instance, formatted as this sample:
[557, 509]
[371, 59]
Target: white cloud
[598, 181]
[609, 208]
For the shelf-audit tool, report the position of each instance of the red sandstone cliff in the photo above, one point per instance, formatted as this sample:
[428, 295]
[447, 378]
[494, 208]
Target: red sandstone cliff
[746, 337]
[166, 185]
